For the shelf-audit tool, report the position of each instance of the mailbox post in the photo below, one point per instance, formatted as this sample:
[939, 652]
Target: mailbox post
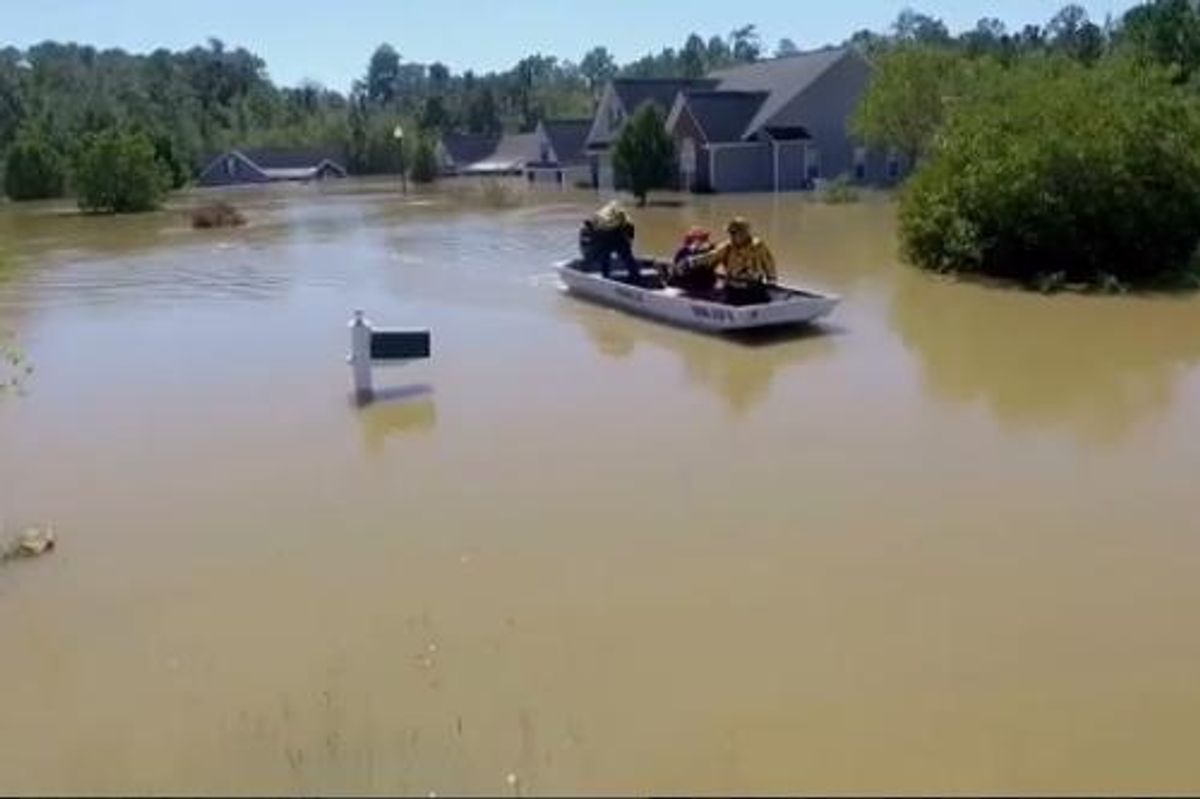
[369, 346]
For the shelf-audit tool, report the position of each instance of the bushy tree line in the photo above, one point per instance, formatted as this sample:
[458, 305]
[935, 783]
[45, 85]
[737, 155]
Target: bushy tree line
[1068, 153]
[191, 104]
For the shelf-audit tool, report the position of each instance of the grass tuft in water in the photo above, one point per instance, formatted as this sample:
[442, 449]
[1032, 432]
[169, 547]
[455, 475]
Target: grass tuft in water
[217, 215]
[15, 367]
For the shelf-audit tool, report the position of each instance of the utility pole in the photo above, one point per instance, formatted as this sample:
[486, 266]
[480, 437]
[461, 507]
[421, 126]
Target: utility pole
[398, 135]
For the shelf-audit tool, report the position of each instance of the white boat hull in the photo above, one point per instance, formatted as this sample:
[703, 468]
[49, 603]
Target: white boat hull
[789, 306]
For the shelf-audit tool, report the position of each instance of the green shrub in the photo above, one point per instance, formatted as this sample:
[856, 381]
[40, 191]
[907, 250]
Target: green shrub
[34, 170]
[424, 167]
[118, 173]
[841, 191]
[1056, 173]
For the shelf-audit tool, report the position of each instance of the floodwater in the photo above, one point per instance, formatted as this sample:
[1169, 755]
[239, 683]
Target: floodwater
[947, 542]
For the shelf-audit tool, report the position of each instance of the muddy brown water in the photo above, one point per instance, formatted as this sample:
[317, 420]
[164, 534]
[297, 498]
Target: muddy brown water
[946, 543]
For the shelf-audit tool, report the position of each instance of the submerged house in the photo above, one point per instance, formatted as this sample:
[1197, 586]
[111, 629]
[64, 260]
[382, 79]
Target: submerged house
[483, 154]
[561, 157]
[776, 125]
[622, 98]
[267, 166]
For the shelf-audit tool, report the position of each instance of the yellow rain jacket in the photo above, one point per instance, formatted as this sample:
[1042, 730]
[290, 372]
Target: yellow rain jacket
[749, 263]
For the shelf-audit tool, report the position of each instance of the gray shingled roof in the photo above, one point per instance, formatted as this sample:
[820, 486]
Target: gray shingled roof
[492, 154]
[465, 149]
[292, 159]
[278, 158]
[516, 148]
[724, 116]
[635, 92]
[568, 137]
[781, 78]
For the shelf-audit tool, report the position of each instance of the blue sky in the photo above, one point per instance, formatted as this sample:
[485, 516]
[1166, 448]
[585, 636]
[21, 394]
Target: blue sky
[331, 41]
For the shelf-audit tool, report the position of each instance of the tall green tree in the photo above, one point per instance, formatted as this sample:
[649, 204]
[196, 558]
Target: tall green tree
[1073, 33]
[786, 47]
[719, 55]
[1166, 32]
[434, 117]
[644, 156]
[598, 67]
[745, 44]
[907, 100]
[383, 74]
[424, 167]
[693, 58]
[913, 27]
[482, 114]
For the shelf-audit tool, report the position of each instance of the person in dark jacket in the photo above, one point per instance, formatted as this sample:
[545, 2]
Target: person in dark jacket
[606, 235]
[694, 279]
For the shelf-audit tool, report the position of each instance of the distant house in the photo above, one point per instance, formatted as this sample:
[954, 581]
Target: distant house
[776, 125]
[471, 154]
[561, 157]
[267, 166]
[622, 98]
[457, 152]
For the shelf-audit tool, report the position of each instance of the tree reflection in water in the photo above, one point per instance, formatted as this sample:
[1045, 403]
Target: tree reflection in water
[1096, 366]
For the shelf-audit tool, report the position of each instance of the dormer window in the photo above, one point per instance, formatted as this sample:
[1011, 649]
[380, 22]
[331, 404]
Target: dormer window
[231, 166]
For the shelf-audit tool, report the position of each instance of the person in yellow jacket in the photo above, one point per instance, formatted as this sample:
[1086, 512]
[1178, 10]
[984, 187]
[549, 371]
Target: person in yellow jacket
[745, 262]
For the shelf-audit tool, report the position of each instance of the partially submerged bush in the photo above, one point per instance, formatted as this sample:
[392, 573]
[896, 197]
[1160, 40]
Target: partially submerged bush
[1054, 173]
[215, 215]
[841, 191]
[491, 192]
[498, 194]
[34, 170]
[119, 173]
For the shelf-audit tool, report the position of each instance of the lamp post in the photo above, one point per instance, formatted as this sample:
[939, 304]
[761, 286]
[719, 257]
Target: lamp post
[398, 135]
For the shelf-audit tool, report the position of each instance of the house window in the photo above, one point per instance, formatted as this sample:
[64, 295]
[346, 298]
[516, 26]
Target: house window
[860, 164]
[545, 153]
[813, 160]
[231, 166]
[893, 165]
[614, 116]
